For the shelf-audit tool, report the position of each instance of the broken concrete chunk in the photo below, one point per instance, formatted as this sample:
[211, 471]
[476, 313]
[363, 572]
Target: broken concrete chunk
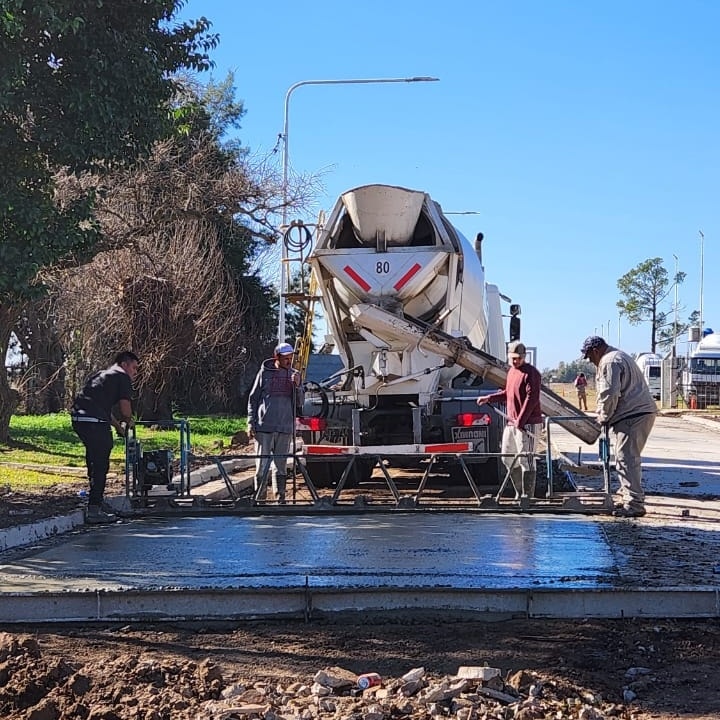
[335, 677]
[413, 675]
[475, 672]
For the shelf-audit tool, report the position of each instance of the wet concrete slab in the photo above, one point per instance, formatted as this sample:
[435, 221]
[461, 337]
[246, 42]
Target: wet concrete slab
[461, 551]
[664, 565]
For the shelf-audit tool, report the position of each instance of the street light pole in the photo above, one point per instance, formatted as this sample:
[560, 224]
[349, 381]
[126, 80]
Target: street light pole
[702, 273]
[675, 322]
[286, 155]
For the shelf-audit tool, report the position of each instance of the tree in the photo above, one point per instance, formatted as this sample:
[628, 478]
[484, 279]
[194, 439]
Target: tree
[644, 289]
[176, 283]
[567, 372]
[186, 232]
[669, 333]
[85, 86]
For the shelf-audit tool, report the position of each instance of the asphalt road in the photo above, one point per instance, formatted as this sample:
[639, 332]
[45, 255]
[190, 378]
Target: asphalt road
[682, 456]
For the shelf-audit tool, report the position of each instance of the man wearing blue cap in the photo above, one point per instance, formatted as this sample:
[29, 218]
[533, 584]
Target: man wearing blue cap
[272, 404]
[625, 405]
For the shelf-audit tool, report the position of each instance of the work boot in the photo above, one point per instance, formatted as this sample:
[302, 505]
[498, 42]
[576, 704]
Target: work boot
[627, 511]
[528, 484]
[95, 515]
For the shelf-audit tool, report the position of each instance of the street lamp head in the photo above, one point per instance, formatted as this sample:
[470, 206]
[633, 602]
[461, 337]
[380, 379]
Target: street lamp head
[284, 136]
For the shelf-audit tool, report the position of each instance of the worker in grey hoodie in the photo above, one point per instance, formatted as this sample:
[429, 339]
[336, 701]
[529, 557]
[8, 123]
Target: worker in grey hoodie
[625, 405]
[272, 406]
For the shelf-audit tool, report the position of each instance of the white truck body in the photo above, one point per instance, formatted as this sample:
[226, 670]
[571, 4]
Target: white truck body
[701, 376]
[650, 365]
[388, 263]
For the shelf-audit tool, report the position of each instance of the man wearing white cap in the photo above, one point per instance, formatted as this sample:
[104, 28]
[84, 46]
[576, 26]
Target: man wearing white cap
[272, 404]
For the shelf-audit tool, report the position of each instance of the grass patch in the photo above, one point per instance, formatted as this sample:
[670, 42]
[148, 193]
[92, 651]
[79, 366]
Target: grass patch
[49, 441]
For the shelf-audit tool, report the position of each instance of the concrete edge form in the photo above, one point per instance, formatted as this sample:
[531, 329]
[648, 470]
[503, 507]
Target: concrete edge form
[305, 603]
[42, 530]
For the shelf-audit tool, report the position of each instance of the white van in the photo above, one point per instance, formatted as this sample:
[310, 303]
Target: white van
[650, 365]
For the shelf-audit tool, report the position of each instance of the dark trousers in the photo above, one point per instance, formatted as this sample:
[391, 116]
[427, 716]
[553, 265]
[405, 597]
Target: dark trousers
[98, 441]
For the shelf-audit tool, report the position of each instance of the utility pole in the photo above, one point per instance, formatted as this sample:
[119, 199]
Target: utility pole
[675, 321]
[702, 272]
[285, 162]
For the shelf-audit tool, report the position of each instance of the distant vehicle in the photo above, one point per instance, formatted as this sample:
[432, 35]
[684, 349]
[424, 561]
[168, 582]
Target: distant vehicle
[650, 365]
[701, 376]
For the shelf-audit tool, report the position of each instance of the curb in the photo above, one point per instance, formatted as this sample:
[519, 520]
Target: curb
[41, 530]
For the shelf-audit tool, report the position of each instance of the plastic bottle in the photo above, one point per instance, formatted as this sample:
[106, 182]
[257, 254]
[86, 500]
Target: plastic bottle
[603, 450]
[368, 680]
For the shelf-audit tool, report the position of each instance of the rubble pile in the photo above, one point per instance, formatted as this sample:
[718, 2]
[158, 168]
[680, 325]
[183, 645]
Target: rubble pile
[148, 687]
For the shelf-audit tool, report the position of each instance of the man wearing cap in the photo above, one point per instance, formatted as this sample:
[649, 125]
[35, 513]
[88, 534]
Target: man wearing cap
[272, 404]
[522, 397]
[625, 405]
[93, 417]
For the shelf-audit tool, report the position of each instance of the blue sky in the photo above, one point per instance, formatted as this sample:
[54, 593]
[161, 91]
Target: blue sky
[584, 134]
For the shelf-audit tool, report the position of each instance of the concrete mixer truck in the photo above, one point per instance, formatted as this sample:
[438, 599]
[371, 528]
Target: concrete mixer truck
[420, 334]
[701, 376]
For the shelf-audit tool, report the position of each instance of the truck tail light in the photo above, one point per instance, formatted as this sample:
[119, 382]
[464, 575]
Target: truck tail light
[470, 419]
[310, 423]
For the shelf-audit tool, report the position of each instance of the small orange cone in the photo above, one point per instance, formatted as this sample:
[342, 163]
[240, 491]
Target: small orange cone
[693, 402]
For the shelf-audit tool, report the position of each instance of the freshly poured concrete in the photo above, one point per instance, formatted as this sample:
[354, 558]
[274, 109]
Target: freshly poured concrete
[463, 551]
[664, 565]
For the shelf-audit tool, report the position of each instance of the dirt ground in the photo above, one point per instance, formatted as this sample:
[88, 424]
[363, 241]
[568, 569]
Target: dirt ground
[585, 670]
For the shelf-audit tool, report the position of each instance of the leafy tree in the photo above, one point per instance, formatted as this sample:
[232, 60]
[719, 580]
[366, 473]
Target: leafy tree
[567, 372]
[85, 86]
[187, 230]
[669, 332]
[644, 289]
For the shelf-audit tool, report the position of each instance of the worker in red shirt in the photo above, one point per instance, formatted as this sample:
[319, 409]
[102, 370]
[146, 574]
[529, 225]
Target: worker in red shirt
[522, 398]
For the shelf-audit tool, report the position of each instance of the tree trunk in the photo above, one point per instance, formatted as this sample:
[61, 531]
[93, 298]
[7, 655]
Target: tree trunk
[152, 406]
[9, 398]
[39, 339]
